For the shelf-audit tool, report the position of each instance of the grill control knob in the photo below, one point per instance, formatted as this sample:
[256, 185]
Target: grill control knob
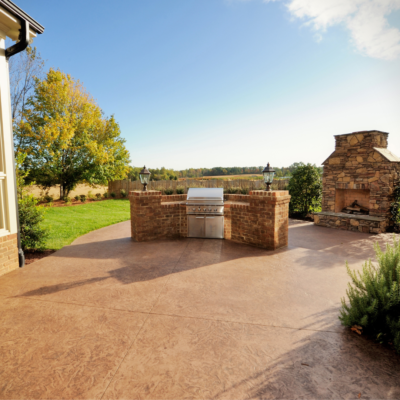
[205, 209]
[194, 209]
[215, 210]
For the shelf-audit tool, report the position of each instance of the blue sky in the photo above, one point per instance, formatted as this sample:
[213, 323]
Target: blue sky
[204, 83]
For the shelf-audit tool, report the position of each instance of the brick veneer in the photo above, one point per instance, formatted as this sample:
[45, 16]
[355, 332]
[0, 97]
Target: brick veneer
[260, 218]
[361, 168]
[151, 218]
[8, 253]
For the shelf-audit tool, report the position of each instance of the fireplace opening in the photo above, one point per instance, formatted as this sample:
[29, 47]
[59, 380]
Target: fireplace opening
[356, 209]
[352, 201]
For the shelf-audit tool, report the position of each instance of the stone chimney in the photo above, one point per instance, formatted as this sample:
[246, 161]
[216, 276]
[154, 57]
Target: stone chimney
[361, 140]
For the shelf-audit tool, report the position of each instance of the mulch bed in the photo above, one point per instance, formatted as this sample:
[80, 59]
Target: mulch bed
[34, 255]
[62, 203]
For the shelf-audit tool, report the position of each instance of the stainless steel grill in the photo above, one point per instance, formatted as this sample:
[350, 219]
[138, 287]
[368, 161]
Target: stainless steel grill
[205, 212]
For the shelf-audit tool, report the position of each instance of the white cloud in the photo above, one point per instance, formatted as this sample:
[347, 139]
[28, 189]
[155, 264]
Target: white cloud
[365, 19]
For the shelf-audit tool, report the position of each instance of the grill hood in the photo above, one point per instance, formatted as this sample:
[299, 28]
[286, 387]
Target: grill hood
[205, 194]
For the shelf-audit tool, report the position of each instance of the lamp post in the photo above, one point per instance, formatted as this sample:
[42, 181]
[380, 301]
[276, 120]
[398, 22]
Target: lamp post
[144, 176]
[268, 173]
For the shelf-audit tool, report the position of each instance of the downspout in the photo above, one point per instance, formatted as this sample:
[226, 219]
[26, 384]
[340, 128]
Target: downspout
[11, 51]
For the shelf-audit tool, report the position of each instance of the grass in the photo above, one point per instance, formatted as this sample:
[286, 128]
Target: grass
[65, 224]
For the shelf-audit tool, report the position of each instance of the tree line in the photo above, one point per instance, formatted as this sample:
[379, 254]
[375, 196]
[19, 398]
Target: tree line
[158, 174]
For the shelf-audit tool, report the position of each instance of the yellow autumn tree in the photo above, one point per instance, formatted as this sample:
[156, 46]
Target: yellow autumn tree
[66, 138]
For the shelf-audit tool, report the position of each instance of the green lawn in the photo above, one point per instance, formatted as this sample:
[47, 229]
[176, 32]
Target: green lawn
[65, 224]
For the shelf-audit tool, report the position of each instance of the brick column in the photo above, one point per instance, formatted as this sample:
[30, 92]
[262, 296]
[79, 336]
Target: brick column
[272, 209]
[154, 216]
[260, 219]
[145, 210]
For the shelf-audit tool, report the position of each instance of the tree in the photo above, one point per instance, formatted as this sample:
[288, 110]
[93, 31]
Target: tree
[67, 139]
[305, 189]
[24, 68]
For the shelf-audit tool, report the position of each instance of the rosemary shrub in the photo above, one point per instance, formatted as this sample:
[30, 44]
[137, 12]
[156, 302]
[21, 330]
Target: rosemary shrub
[374, 297]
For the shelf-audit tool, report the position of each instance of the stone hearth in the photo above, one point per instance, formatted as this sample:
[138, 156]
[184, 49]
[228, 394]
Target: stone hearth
[361, 168]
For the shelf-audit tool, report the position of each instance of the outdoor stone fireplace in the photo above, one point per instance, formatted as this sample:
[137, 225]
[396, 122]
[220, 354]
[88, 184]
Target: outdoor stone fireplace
[358, 181]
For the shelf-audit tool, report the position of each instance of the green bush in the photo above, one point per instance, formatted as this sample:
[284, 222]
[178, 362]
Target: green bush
[123, 193]
[47, 198]
[168, 192]
[180, 190]
[77, 197]
[244, 190]
[67, 200]
[83, 198]
[233, 190]
[105, 195]
[33, 236]
[113, 195]
[98, 195]
[90, 195]
[374, 297]
[305, 189]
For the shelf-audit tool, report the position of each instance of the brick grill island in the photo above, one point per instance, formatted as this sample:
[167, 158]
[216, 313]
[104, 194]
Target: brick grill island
[260, 219]
[361, 168]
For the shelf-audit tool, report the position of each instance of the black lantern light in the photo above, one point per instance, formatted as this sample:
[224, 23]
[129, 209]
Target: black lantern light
[268, 173]
[144, 176]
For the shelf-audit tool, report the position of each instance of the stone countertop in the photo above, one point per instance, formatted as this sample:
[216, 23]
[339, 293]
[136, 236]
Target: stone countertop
[171, 203]
[226, 203]
[230, 203]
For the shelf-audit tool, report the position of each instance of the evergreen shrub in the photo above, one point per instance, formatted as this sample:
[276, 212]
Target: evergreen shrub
[123, 193]
[33, 236]
[83, 198]
[77, 197]
[180, 190]
[305, 189]
[112, 194]
[374, 297]
[98, 195]
[105, 195]
[168, 192]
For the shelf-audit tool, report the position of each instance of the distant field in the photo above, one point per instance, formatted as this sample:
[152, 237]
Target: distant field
[228, 177]
[244, 176]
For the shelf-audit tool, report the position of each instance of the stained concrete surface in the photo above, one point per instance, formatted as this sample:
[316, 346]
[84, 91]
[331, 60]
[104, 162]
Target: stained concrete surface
[113, 319]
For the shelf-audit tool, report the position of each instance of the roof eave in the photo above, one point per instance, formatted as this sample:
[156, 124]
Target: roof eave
[22, 15]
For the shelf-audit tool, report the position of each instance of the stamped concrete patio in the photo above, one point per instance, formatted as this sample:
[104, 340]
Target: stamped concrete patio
[109, 318]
